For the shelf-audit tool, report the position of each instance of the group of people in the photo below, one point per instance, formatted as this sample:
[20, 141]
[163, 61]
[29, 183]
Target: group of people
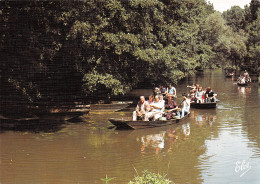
[165, 92]
[245, 78]
[200, 95]
[161, 104]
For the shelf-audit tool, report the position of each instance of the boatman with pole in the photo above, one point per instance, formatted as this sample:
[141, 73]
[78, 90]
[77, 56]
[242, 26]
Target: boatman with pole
[185, 103]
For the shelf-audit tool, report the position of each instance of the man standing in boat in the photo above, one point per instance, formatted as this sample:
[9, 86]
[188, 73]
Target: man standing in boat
[185, 103]
[171, 91]
[141, 110]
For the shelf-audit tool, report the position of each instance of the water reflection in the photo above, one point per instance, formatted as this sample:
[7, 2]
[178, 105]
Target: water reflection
[186, 130]
[202, 149]
[200, 117]
[161, 140]
[244, 91]
[155, 141]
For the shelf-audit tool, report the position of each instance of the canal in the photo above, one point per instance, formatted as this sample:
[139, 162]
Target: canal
[219, 145]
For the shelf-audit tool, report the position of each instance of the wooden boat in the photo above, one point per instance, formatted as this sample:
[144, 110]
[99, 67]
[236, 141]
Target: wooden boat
[7, 123]
[242, 84]
[230, 75]
[203, 105]
[62, 113]
[133, 125]
[116, 105]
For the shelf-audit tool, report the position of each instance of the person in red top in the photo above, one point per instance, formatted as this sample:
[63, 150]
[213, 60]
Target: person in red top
[172, 107]
[170, 104]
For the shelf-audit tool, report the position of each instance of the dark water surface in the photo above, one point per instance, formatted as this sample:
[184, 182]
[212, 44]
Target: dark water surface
[220, 145]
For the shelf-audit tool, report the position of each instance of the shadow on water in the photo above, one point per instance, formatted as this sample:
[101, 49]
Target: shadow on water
[34, 126]
[37, 125]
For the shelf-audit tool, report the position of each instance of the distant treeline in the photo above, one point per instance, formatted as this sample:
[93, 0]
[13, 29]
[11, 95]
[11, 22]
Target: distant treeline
[65, 50]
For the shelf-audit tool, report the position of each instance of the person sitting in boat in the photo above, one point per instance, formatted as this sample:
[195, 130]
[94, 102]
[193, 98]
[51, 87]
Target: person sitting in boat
[161, 99]
[247, 79]
[197, 88]
[171, 91]
[151, 99]
[171, 106]
[156, 91]
[246, 76]
[192, 87]
[163, 90]
[192, 97]
[210, 95]
[239, 79]
[199, 95]
[246, 73]
[156, 109]
[242, 80]
[141, 110]
[185, 104]
[230, 73]
[192, 91]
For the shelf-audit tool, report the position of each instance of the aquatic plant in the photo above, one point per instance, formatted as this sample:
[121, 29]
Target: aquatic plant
[151, 178]
[107, 179]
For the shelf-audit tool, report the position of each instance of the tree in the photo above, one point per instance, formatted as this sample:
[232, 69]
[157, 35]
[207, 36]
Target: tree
[235, 18]
[76, 49]
[254, 8]
[229, 46]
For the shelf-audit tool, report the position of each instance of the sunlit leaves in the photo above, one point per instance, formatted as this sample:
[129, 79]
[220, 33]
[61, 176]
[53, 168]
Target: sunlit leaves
[94, 81]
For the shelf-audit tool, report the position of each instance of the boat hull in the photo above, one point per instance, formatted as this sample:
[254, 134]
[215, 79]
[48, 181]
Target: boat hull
[62, 116]
[63, 113]
[133, 125]
[114, 105]
[242, 84]
[229, 76]
[10, 123]
[204, 105]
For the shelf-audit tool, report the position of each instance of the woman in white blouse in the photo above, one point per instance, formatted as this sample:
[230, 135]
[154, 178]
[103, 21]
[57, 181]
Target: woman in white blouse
[199, 94]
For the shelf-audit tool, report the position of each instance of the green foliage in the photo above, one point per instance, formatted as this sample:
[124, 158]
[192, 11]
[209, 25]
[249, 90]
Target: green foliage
[95, 81]
[80, 48]
[151, 178]
[229, 67]
[235, 18]
[254, 9]
[244, 47]
[229, 45]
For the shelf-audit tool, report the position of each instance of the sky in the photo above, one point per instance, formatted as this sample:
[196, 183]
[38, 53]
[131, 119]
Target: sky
[223, 5]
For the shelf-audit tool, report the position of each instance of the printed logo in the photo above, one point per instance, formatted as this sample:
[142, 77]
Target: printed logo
[242, 167]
